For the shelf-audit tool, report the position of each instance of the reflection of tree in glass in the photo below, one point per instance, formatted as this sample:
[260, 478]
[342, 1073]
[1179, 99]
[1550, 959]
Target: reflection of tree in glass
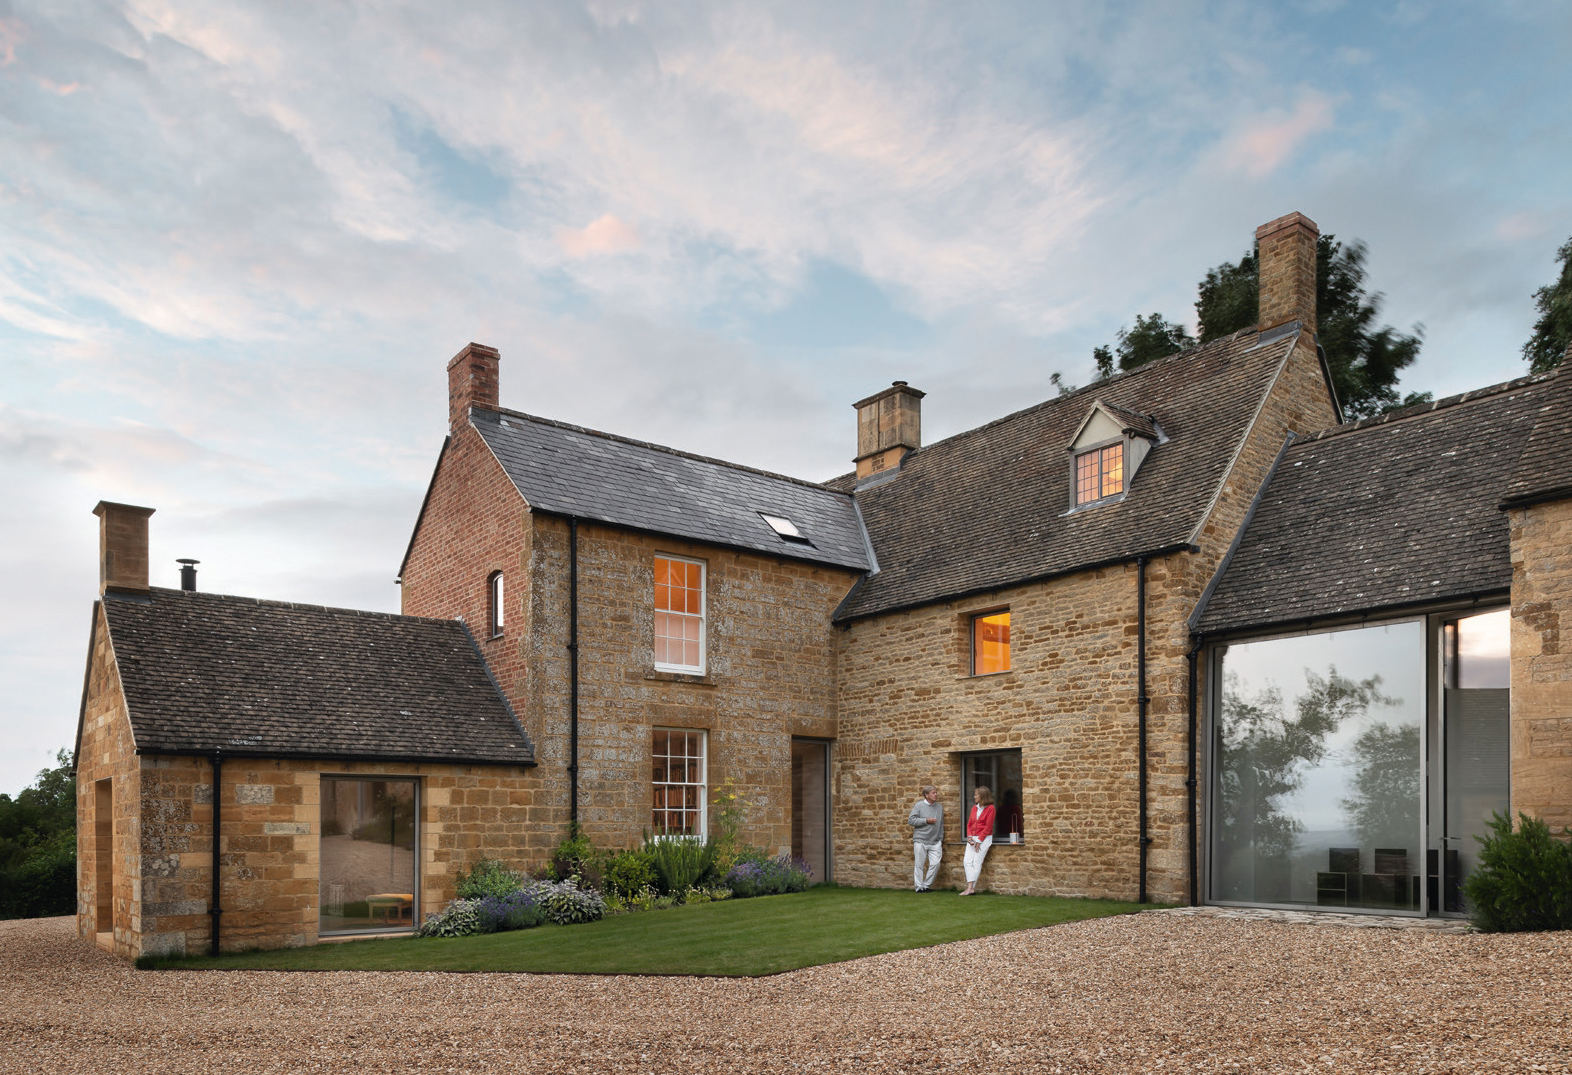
[1263, 753]
[1385, 800]
[392, 819]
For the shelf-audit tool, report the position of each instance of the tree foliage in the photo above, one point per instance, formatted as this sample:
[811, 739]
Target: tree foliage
[1365, 360]
[1150, 338]
[1553, 331]
[38, 845]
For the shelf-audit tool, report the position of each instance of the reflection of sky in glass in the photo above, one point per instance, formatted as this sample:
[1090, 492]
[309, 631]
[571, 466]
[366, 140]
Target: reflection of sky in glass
[1395, 652]
[1484, 649]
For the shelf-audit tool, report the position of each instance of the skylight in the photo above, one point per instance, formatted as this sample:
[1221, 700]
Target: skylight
[785, 528]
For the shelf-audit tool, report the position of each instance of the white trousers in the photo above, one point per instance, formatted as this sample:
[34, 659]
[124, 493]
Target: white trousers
[927, 865]
[974, 859]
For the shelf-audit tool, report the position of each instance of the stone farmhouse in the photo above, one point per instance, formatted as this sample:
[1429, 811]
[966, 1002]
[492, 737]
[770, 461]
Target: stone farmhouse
[1204, 641]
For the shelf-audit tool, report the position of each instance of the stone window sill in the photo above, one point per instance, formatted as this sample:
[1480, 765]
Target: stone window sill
[986, 675]
[655, 675]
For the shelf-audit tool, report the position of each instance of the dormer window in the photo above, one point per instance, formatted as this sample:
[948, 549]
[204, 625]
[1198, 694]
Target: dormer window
[1099, 474]
[1105, 452]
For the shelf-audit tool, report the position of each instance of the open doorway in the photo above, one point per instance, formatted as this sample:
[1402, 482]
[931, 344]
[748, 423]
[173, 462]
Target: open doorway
[810, 805]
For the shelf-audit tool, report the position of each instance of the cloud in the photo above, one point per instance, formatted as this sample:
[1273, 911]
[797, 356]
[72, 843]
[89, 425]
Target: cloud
[604, 235]
[1264, 142]
[11, 35]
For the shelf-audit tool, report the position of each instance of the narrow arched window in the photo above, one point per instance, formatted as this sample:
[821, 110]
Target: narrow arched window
[494, 603]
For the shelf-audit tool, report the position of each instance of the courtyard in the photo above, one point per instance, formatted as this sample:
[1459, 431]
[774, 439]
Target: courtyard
[1164, 991]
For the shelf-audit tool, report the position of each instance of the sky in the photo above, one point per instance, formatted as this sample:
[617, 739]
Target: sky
[240, 240]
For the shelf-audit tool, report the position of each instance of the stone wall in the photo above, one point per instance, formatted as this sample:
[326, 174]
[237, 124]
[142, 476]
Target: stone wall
[909, 709]
[1541, 763]
[770, 675]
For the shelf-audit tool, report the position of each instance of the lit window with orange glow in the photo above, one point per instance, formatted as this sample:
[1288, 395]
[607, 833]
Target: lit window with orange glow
[1099, 473]
[991, 643]
[679, 615]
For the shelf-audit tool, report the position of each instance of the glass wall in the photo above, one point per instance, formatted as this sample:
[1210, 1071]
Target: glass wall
[367, 878]
[1317, 769]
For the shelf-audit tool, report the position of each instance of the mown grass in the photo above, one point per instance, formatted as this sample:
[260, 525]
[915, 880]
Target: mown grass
[735, 938]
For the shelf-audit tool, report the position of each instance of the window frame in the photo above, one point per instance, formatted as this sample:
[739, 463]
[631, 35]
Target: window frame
[1001, 834]
[496, 598]
[701, 811]
[974, 621]
[1099, 451]
[702, 616]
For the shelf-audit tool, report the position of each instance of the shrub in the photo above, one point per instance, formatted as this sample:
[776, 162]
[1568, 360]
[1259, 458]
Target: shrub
[565, 902]
[42, 883]
[1524, 878]
[728, 811]
[577, 857]
[679, 863]
[461, 918]
[487, 877]
[628, 872]
[517, 910]
[756, 875]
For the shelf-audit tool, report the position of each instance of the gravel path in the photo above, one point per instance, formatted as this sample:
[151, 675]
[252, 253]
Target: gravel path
[1154, 992]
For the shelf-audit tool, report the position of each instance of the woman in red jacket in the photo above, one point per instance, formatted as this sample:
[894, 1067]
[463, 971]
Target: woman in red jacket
[979, 836]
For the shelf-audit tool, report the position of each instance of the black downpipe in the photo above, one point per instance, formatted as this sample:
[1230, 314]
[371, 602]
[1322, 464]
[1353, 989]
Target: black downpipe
[1140, 673]
[573, 673]
[218, 800]
[1190, 779]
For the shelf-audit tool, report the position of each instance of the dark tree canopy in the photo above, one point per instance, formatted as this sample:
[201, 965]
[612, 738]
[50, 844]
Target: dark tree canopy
[38, 845]
[1152, 337]
[1365, 360]
[1553, 331]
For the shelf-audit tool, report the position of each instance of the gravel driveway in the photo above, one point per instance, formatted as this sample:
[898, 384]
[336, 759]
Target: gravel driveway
[1153, 992]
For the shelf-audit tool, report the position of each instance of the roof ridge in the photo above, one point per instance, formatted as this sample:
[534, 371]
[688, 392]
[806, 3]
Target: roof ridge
[667, 449]
[1092, 387]
[300, 605]
[1418, 410]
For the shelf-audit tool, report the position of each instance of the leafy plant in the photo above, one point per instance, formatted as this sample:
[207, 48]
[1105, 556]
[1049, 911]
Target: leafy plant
[728, 811]
[680, 864]
[628, 872]
[1524, 878]
[577, 857]
[461, 918]
[487, 877]
[565, 902]
[517, 910]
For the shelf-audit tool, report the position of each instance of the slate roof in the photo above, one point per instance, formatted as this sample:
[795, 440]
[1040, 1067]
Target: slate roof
[568, 470]
[1544, 470]
[1397, 510]
[205, 672]
[989, 508]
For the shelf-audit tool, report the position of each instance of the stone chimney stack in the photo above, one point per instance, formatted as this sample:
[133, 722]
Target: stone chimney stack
[472, 382]
[889, 424]
[1287, 271]
[122, 547]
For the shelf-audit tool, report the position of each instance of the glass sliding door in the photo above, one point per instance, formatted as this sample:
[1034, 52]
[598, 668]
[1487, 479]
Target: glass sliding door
[1317, 763]
[810, 805]
[367, 874]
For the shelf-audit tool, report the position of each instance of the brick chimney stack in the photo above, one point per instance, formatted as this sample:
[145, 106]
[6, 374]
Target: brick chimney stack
[122, 547]
[1287, 271]
[472, 382]
[889, 424]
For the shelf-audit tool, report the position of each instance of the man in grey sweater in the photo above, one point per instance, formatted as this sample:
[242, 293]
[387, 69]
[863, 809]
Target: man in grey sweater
[927, 822]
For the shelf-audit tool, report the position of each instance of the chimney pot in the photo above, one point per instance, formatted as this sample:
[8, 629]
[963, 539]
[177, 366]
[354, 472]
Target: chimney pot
[1286, 270]
[472, 382]
[889, 424]
[188, 573]
[122, 547]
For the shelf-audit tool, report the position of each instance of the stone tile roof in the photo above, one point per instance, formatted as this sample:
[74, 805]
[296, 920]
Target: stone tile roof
[989, 508]
[205, 672]
[1397, 510]
[1139, 424]
[1544, 470]
[568, 470]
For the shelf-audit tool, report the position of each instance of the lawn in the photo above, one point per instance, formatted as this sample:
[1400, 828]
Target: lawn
[737, 938]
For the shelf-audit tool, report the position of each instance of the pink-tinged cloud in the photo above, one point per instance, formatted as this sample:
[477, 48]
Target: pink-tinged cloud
[604, 236]
[1267, 141]
[10, 36]
[64, 89]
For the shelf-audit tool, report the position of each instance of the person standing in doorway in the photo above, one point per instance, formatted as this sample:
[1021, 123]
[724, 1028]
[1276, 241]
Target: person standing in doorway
[927, 822]
[979, 836]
